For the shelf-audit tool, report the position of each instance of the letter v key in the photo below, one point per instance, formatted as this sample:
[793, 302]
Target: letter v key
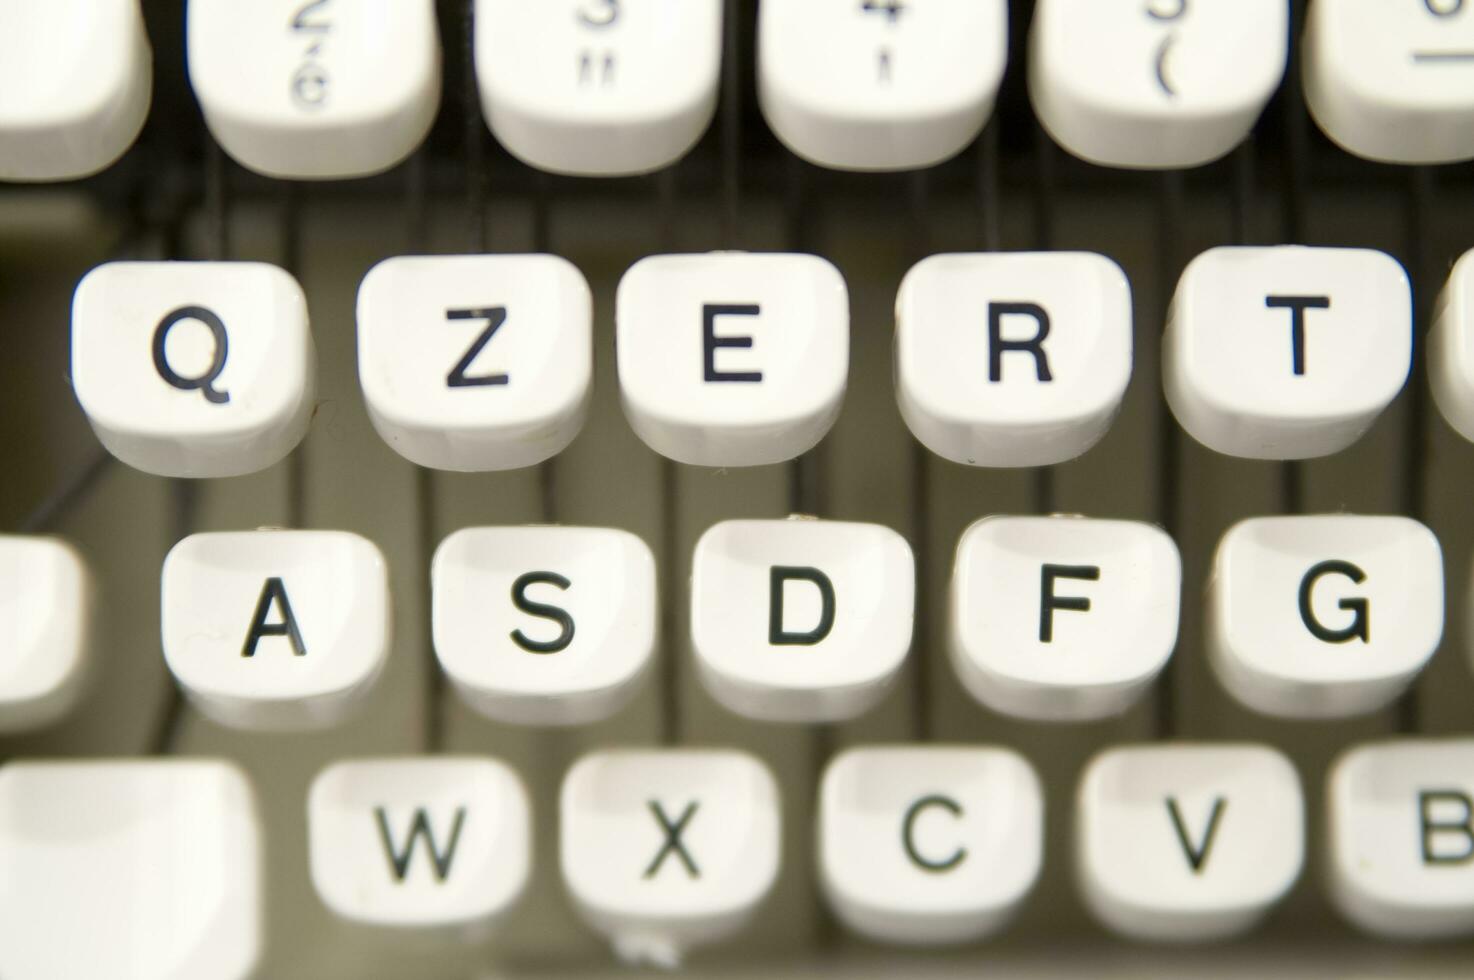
[1196, 856]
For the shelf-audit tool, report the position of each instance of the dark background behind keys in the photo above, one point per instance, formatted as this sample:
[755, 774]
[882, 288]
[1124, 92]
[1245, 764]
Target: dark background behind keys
[175, 195]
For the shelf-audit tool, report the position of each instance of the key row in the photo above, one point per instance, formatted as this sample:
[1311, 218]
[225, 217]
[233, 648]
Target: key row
[484, 362]
[665, 850]
[800, 620]
[345, 88]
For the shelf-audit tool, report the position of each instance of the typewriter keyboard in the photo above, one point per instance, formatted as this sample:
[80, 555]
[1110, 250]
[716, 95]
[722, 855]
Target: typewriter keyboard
[814, 488]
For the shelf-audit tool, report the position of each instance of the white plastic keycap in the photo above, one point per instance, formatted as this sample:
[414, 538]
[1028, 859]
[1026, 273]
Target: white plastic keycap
[732, 358]
[1155, 83]
[666, 850]
[76, 77]
[193, 369]
[275, 630]
[1012, 359]
[1451, 348]
[46, 599]
[1400, 828]
[476, 362]
[1392, 81]
[1063, 618]
[1286, 352]
[134, 870]
[544, 625]
[598, 87]
[1323, 616]
[899, 85]
[315, 90]
[800, 619]
[1190, 842]
[929, 845]
[430, 843]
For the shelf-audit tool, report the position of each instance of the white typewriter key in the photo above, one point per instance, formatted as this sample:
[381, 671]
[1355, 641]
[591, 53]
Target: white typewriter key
[732, 358]
[134, 870]
[434, 842]
[544, 625]
[1451, 348]
[598, 87]
[1393, 81]
[476, 362]
[800, 619]
[663, 851]
[1063, 618]
[1286, 352]
[901, 85]
[193, 369]
[319, 90]
[1155, 83]
[45, 630]
[1323, 616]
[1188, 843]
[929, 845]
[76, 77]
[1012, 359]
[1400, 823]
[275, 630]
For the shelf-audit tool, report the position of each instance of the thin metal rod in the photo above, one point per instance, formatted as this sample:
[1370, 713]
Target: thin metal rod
[1293, 225]
[43, 516]
[184, 498]
[731, 124]
[917, 193]
[1169, 448]
[474, 133]
[1044, 193]
[671, 714]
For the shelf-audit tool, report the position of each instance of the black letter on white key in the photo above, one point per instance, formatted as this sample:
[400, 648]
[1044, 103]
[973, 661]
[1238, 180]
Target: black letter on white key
[559, 616]
[777, 577]
[399, 858]
[908, 840]
[1297, 305]
[1197, 856]
[1463, 825]
[1361, 619]
[710, 341]
[998, 346]
[203, 383]
[494, 316]
[1049, 602]
[673, 843]
[274, 593]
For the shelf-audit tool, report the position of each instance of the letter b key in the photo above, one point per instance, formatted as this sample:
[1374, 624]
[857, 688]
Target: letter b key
[193, 369]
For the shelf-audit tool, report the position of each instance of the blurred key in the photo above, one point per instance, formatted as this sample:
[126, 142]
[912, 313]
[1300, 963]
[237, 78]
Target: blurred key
[1451, 348]
[46, 599]
[315, 90]
[901, 85]
[1155, 83]
[76, 77]
[1400, 827]
[1393, 81]
[132, 870]
[598, 87]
